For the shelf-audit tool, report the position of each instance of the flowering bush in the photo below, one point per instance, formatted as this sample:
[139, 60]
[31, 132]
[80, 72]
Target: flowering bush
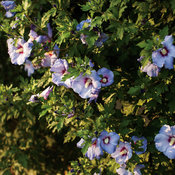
[87, 87]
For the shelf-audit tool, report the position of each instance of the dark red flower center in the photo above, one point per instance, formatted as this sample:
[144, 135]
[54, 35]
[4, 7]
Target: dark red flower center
[94, 143]
[19, 49]
[63, 71]
[164, 51]
[171, 140]
[104, 80]
[106, 140]
[87, 82]
[123, 151]
[50, 53]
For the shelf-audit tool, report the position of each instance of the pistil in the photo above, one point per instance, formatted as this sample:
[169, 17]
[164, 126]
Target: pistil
[164, 51]
[88, 82]
[123, 151]
[106, 140]
[172, 141]
[19, 49]
[104, 80]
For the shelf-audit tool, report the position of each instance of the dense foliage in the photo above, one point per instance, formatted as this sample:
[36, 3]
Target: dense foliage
[49, 49]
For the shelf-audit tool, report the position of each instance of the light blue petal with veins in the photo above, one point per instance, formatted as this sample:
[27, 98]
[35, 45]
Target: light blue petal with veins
[108, 74]
[111, 146]
[172, 50]
[168, 41]
[166, 130]
[170, 152]
[158, 59]
[169, 62]
[161, 142]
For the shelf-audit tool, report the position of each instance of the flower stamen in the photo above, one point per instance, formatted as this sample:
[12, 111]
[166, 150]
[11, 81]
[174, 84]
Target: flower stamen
[88, 82]
[19, 49]
[164, 51]
[104, 80]
[50, 53]
[172, 141]
[106, 140]
[123, 151]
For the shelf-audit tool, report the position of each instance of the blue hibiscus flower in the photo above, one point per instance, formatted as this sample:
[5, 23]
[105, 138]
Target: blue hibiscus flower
[60, 68]
[165, 56]
[109, 141]
[165, 141]
[144, 143]
[83, 24]
[152, 70]
[85, 85]
[107, 76]
[19, 52]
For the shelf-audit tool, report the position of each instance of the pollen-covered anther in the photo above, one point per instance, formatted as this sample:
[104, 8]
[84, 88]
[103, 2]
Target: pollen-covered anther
[106, 140]
[88, 82]
[19, 50]
[50, 53]
[104, 80]
[164, 51]
[123, 152]
[172, 141]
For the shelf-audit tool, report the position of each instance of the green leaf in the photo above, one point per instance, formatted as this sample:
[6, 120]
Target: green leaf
[46, 17]
[86, 7]
[65, 35]
[91, 40]
[107, 15]
[142, 44]
[43, 113]
[100, 107]
[109, 99]
[147, 45]
[85, 148]
[23, 160]
[120, 32]
[26, 4]
[97, 21]
[121, 10]
[18, 8]
[163, 32]
[134, 90]
[172, 4]
[7, 172]
[171, 106]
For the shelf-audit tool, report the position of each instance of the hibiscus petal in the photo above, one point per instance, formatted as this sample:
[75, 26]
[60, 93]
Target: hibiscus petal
[21, 59]
[86, 92]
[172, 51]
[56, 78]
[168, 41]
[166, 130]
[89, 153]
[158, 59]
[120, 159]
[109, 148]
[170, 152]
[9, 14]
[161, 142]
[173, 130]
[151, 69]
[78, 84]
[169, 62]
[114, 138]
[80, 144]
